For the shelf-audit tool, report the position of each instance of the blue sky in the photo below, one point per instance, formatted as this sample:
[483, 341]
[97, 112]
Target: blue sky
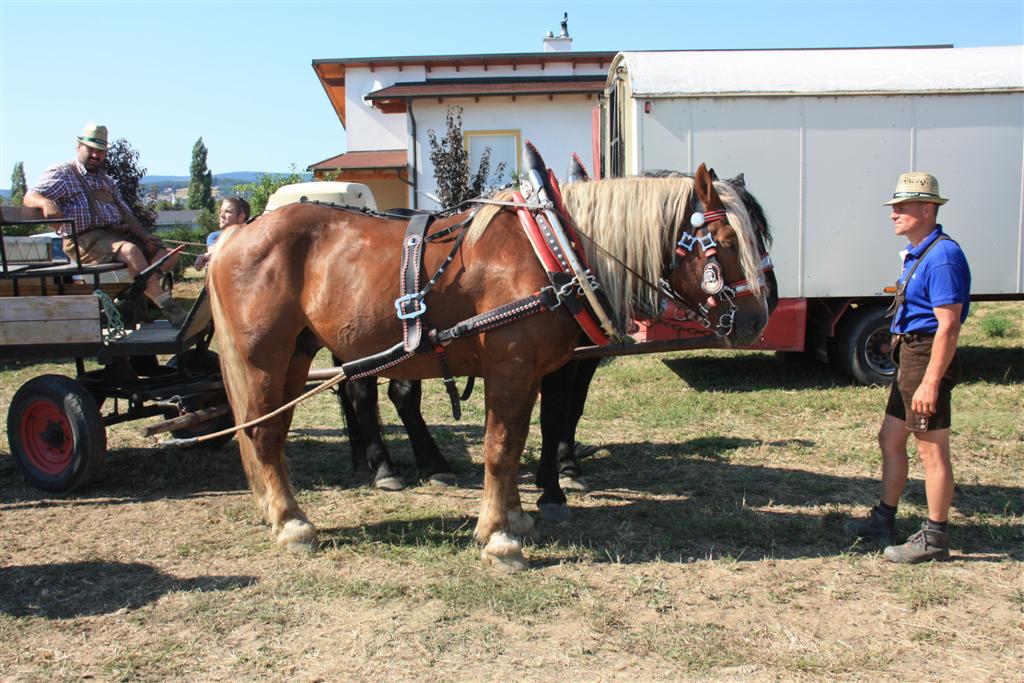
[162, 74]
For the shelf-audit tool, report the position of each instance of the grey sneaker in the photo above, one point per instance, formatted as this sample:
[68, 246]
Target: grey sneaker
[877, 529]
[926, 544]
[174, 313]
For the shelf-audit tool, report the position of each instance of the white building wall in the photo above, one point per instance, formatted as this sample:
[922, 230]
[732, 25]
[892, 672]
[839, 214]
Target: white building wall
[557, 127]
[368, 128]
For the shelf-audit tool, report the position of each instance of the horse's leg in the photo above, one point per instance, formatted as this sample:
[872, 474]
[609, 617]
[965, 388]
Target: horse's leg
[362, 393]
[554, 414]
[348, 414]
[509, 401]
[407, 396]
[254, 393]
[569, 471]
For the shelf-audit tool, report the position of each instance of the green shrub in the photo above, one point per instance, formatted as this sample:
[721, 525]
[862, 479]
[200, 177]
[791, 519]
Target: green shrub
[183, 232]
[996, 326]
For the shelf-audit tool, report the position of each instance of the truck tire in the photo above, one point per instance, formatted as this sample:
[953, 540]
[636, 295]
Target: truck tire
[863, 346]
[56, 433]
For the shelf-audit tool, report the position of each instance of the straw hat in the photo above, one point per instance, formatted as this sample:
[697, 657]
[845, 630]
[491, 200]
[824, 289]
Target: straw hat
[94, 135]
[917, 187]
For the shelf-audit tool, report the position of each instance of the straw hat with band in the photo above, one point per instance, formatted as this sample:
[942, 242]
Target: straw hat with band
[917, 187]
[95, 136]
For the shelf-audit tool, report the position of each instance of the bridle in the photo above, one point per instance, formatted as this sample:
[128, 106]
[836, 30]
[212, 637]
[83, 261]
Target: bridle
[712, 281]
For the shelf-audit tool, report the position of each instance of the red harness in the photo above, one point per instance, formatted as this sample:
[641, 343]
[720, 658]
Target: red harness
[549, 253]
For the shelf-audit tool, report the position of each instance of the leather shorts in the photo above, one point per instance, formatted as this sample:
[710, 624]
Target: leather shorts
[911, 353]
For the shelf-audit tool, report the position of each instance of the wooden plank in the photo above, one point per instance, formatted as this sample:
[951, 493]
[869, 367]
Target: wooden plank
[50, 332]
[31, 287]
[49, 308]
[20, 213]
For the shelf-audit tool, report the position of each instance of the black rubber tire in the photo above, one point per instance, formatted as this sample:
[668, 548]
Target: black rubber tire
[862, 346]
[206, 362]
[56, 434]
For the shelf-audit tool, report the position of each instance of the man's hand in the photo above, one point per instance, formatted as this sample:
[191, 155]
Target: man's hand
[925, 399]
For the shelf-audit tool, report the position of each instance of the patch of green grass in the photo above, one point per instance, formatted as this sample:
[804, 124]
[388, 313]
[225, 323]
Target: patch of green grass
[996, 326]
[695, 647]
[923, 587]
[512, 596]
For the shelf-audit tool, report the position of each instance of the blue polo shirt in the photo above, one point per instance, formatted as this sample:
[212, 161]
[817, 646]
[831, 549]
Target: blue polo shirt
[943, 278]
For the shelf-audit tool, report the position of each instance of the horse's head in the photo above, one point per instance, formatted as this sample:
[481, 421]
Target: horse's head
[716, 270]
[763, 234]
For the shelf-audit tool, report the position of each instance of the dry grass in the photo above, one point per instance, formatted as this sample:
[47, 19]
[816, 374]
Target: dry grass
[710, 547]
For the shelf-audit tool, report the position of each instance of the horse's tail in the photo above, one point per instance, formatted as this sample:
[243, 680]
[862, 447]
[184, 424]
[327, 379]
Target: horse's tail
[236, 383]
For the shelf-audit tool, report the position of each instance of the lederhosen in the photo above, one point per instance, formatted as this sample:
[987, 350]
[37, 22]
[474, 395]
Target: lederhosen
[911, 352]
[97, 244]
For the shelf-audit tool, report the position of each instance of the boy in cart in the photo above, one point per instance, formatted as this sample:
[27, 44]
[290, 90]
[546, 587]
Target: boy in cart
[106, 228]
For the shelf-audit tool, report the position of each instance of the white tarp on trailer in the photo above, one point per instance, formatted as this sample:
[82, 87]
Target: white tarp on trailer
[824, 72]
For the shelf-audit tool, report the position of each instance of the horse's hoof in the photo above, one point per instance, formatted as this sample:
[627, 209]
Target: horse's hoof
[505, 553]
[298, 535]
[394, 483]
[554, 513]
[443, 479]
[578, 484]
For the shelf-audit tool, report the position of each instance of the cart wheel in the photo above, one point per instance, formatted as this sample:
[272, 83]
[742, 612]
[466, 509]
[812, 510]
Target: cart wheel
[56, 433]
[205, 362]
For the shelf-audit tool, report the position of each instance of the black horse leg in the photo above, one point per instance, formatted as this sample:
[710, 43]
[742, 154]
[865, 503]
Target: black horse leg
[555, 400]
[364, 432]
[569, 469]
[407, 396]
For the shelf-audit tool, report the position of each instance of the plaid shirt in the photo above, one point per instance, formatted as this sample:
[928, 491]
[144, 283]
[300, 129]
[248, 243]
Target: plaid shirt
[60, 184]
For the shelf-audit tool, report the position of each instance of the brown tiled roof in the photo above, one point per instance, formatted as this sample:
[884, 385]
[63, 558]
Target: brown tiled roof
[389, 158]
[495, 87]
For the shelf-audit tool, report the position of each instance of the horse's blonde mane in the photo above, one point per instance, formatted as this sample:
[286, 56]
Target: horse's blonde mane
[629, 225]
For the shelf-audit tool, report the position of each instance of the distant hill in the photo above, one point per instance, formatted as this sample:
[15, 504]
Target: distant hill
[219, 179]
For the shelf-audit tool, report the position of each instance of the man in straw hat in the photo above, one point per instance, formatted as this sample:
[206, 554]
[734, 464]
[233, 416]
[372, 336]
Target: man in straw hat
[107, 230]
[932, 300]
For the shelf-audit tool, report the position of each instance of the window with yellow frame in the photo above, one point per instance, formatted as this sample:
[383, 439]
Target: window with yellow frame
[504, 146]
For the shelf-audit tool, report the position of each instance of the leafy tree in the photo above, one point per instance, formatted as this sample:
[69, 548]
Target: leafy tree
[451, 164]
[122, 164]
[200, 185]
[18, 185]
[257, 193]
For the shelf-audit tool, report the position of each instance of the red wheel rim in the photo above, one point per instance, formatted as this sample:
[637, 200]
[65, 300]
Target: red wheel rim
[46, 435]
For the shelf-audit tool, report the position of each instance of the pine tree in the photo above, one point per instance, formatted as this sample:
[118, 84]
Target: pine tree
[18, 185]
[200, 184]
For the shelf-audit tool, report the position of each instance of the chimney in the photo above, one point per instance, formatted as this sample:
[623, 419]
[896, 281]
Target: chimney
[562, 42]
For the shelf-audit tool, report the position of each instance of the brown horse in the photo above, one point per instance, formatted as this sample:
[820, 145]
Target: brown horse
[308, 276]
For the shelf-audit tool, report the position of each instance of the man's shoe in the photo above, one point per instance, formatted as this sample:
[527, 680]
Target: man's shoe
[174, 313]
[926, 544]
[877, 528]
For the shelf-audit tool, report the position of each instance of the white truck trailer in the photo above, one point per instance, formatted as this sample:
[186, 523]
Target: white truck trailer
[821, 136]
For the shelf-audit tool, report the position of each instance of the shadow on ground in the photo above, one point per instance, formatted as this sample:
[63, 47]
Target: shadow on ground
[76, 589]
[755, 372]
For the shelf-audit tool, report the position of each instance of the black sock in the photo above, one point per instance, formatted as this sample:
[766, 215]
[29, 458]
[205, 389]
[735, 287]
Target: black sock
[936, 526]
[888, 511]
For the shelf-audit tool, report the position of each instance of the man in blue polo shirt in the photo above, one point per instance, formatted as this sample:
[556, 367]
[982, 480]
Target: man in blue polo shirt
[932, 300]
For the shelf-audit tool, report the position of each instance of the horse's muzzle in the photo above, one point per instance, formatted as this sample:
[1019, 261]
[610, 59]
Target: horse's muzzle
[747, 327]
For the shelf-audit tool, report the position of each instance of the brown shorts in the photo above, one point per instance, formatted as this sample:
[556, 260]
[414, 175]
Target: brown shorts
[101, 245]
[911, 353]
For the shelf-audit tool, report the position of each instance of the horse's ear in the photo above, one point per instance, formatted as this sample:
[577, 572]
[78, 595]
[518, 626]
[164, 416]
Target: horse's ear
[714, 176]
[703, 179]
[738, 181]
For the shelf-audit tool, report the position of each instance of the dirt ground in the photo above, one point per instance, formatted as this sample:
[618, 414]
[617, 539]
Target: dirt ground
[710, 547]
